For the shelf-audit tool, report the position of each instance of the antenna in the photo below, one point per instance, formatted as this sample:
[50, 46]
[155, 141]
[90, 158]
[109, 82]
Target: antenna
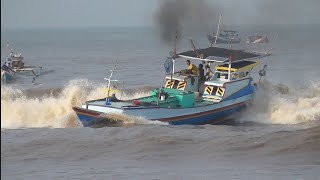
[8, 46]
[174, 52]
[109, 83]
[218, 29]
[230, 61]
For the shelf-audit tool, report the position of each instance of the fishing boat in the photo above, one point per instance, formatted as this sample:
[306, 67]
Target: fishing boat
[224, 36]
[257, 39]
[14, 65]
[179, 100]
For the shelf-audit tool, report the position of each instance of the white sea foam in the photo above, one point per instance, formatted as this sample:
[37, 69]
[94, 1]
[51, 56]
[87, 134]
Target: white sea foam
[279, 104]
[19, 111]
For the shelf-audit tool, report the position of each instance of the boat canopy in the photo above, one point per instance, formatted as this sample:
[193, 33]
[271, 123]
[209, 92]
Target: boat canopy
[216, 54]
[237, 66]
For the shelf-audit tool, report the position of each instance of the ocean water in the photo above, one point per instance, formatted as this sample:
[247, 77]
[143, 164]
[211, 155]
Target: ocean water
[41, 138]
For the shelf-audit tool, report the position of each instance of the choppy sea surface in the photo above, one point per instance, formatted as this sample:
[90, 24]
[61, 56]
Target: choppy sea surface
[41, 138]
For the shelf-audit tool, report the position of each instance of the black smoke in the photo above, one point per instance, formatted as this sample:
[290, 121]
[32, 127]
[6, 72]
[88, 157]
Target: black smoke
[184, 18]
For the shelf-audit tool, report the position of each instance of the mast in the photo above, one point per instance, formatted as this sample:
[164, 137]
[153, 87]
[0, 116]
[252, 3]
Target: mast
[229, 70]
[109, 83]
[215, 41]
[229, 67]
[174, 52]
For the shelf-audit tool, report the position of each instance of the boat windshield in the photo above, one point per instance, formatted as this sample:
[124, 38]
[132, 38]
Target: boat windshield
[17, 64]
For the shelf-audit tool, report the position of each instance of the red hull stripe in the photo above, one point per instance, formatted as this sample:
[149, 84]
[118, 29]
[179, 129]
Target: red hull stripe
[86, 112]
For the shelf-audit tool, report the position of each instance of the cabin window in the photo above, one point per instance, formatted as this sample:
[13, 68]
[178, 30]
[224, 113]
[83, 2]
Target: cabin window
[170, 83]
[182, 85]
[234, 76]
[224, 76]
[175, 84]
[220, 91]
[241, 75]
[211, 90]
[214, 90]
[16, 64]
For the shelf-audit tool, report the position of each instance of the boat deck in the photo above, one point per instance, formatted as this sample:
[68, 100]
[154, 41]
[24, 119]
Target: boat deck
[122, 104]
[113, 104]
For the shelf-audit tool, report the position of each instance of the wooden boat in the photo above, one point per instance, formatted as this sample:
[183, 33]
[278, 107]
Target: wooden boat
[180, 100]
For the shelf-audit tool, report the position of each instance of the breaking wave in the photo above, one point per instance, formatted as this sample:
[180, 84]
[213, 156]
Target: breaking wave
[54, 109]
[279, 104]
[274, 104]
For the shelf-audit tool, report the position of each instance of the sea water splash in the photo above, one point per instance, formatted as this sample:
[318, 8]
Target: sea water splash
[279, 104]
[122, 119]
[20, 111]
[275, 104]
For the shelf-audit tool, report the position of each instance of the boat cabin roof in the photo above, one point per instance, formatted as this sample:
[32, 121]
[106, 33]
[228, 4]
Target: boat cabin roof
[216, 54]
[240, 65]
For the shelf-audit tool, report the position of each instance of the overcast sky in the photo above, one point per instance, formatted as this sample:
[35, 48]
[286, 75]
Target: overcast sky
[16, 14]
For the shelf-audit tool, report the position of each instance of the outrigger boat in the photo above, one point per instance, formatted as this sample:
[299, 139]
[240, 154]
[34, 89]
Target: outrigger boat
[15, 65]
[180, 100]
[224, 36]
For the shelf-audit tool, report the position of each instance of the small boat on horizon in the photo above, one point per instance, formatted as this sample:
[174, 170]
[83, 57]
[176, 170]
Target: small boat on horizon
[224, 36]
[180, 100]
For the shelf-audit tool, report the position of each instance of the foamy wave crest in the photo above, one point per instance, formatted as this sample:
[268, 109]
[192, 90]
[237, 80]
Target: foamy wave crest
[19, 111]
[8, 93]
[278, 104]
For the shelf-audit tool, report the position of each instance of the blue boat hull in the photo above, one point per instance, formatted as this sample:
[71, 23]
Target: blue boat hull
[222, 41]
[7, 77]
[210, 118]
[89, 118]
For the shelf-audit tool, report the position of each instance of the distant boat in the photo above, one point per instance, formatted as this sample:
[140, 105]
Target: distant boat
[15, 65]
[224, 36]
[257, 39]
